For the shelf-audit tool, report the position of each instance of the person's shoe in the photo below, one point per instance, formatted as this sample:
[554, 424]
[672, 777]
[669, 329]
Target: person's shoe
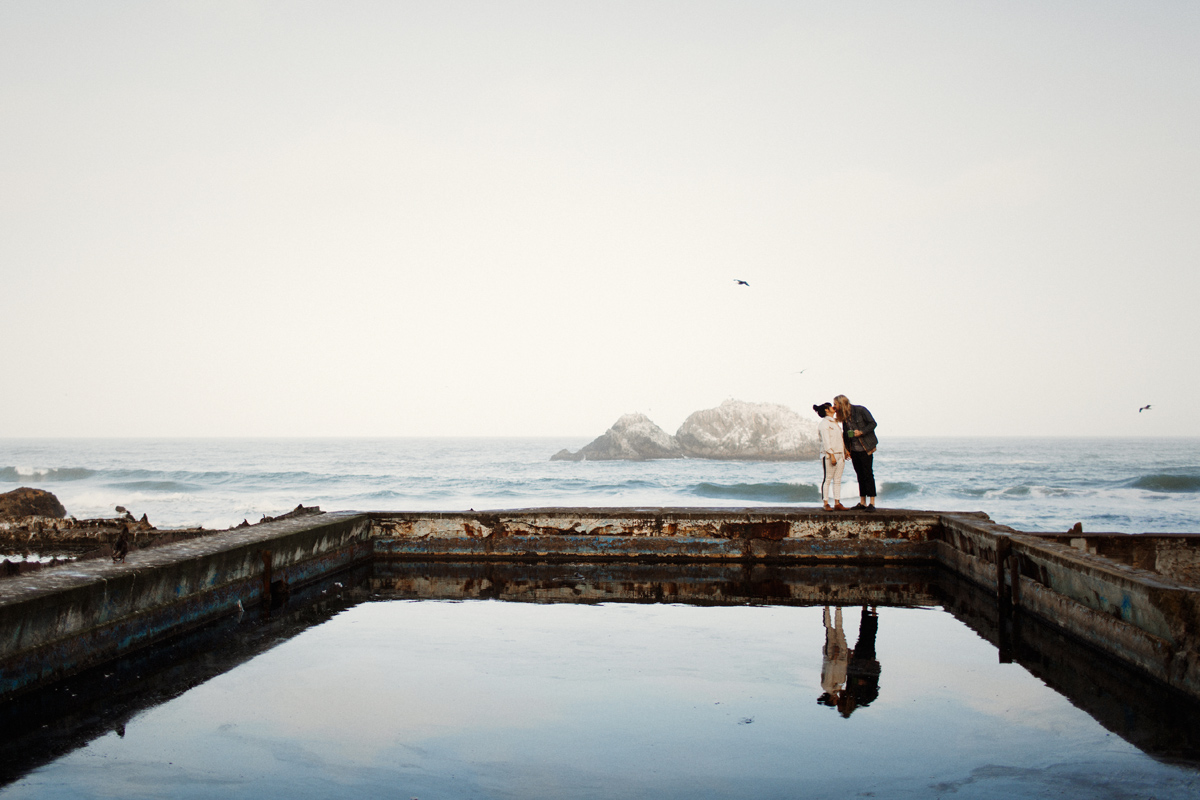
[828, 507]
[839, 507]
[869, 508]
[859, 507]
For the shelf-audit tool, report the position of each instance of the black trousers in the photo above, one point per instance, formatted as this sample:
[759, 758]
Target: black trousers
[864, 469]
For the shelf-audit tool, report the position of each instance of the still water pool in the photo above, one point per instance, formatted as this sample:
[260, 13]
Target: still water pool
[427, 699]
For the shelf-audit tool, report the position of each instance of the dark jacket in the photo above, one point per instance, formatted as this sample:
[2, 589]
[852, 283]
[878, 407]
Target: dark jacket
[860, 420]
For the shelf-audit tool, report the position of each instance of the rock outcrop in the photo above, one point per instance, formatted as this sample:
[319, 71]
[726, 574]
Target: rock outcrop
[26, 502]
[740, 431]
[734, 431]
[300, 510]
[631, 438]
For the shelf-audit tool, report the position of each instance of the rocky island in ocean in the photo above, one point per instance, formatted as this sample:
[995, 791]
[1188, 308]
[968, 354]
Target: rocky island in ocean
[733, 431]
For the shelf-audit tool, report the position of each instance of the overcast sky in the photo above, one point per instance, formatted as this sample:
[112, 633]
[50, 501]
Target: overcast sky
[508, 218]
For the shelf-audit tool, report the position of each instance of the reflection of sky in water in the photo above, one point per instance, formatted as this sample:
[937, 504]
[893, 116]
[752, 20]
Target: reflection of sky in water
[488, 699]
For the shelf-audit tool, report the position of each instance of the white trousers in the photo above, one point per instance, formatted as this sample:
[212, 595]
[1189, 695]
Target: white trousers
[832, 479]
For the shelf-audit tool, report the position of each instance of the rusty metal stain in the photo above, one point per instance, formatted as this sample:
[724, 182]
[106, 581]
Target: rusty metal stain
[774, 530]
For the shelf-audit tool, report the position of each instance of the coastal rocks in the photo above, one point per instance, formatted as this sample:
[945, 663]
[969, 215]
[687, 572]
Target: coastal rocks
[300, 510]
[740, 431]
[26, 502]
[74, 536]
[631, 438]
[39, 541]
[733, 431]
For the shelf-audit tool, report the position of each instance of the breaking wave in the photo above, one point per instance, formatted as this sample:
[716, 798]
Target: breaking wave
[157, 486]
[1017, 492]
[775, 492]
[390, 494]
[1189, 484]
[21, 474]
[898, 489]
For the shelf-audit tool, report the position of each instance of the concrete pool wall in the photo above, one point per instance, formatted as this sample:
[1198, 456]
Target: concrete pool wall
[1134, 597]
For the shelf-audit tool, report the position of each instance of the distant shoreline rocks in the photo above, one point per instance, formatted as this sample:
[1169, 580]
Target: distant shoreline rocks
[733, 431]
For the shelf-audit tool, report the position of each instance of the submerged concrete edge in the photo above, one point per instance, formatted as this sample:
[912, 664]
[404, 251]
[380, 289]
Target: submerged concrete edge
[57, 622]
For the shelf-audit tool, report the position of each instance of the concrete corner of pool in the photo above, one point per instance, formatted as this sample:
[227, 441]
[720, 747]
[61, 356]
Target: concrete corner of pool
[1134, 597]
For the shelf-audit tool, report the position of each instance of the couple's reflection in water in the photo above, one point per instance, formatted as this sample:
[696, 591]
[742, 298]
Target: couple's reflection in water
[849, 678]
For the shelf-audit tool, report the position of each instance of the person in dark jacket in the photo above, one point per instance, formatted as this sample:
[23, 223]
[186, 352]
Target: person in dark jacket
[862, 670]
[858, 429]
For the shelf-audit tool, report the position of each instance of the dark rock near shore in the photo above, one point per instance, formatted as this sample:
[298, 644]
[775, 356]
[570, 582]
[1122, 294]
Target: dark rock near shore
[300, 510]
[26, 502]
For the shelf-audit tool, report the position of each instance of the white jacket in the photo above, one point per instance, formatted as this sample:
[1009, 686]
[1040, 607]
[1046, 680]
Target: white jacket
[831, 437]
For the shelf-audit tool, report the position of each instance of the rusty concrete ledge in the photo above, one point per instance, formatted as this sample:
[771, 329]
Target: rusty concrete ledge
[55, 622]
[683, 534]
[1143, 617]
[1172, 555]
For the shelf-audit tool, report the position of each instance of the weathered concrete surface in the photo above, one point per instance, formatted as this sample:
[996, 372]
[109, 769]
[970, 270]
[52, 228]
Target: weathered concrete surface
[763, 534]
[1172, 555]
[1097, 589]
[1142, 617]
[57, 621]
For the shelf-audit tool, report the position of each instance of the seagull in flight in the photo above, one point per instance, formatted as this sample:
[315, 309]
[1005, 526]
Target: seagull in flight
[741, 282]
[1144, 408]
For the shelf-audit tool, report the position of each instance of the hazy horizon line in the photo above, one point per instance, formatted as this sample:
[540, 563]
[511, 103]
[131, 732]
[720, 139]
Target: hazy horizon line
[326, 437]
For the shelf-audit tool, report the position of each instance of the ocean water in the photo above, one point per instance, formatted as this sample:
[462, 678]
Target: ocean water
[1128, 485]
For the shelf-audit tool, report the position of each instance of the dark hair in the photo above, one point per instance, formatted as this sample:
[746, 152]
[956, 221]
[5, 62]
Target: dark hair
[821, 408]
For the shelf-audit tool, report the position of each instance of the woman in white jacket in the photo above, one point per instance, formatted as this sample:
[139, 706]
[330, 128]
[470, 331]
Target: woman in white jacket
[833, 456]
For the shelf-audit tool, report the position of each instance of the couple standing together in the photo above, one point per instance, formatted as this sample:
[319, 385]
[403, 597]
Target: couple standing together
[856, 435]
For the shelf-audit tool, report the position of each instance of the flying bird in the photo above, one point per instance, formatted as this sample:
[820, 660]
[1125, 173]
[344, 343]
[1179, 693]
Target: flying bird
[1144, 408]
[741, 282]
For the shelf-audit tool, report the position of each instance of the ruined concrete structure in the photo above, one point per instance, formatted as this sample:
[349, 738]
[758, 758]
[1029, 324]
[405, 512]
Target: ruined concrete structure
[1133, 597]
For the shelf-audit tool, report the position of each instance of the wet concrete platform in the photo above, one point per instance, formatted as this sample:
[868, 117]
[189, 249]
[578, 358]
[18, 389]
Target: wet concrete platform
[1132, 597]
